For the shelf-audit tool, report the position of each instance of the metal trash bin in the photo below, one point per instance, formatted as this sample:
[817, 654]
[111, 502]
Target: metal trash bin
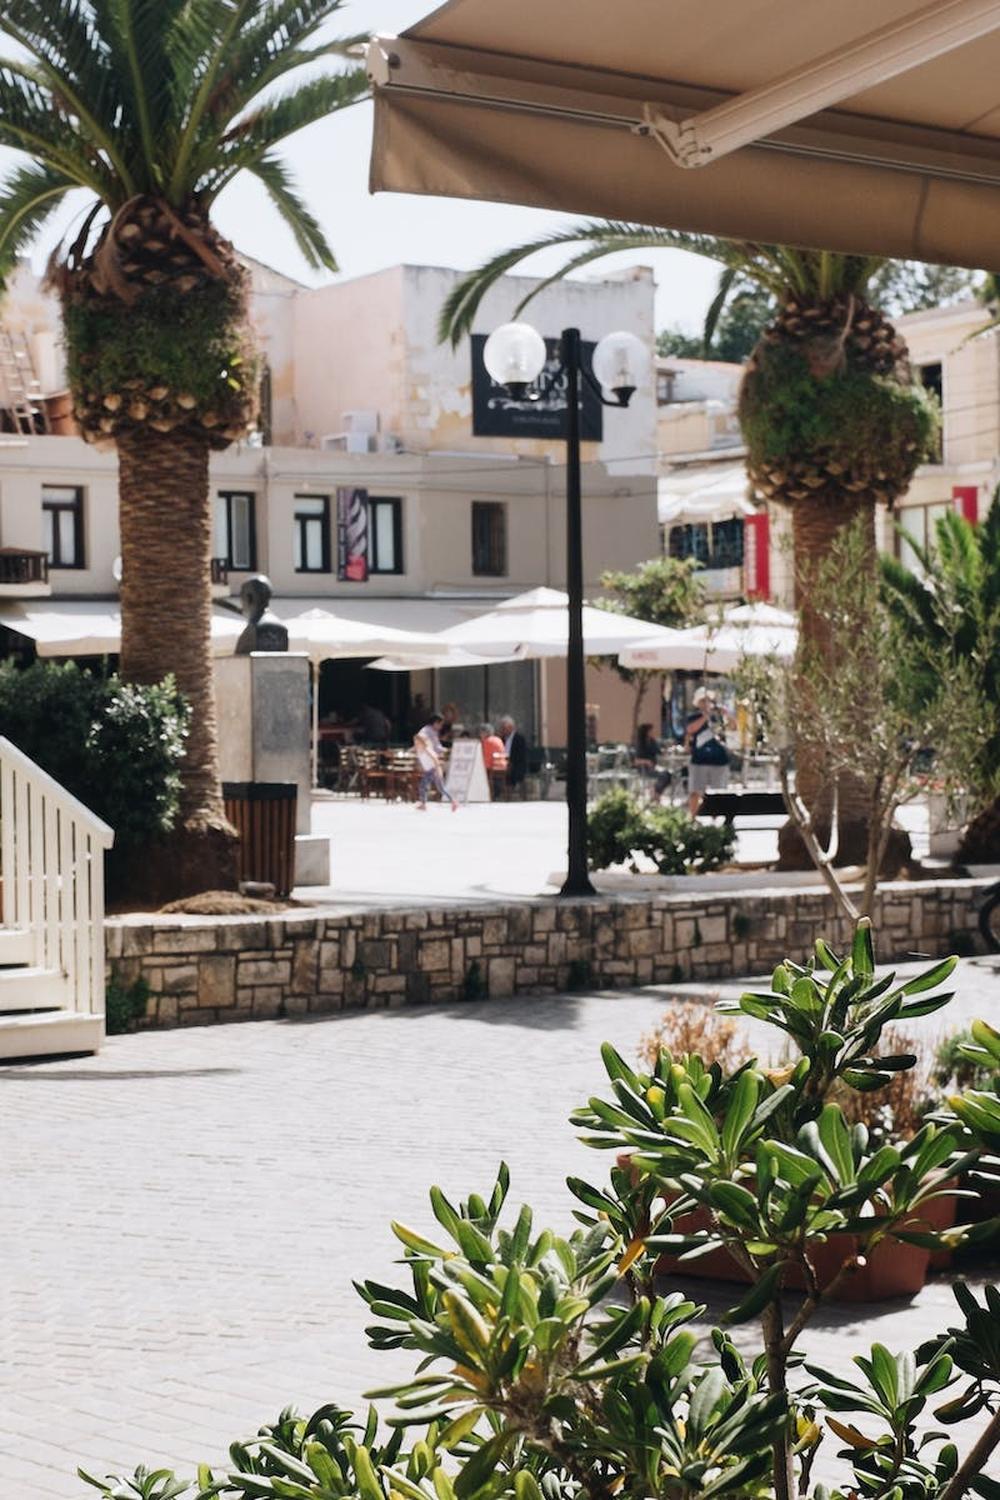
[263, 814]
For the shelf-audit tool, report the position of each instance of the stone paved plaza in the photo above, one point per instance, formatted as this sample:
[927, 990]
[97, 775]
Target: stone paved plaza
[182, 1216]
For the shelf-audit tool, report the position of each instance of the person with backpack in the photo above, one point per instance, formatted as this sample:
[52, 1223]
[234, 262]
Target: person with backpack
[705, 738]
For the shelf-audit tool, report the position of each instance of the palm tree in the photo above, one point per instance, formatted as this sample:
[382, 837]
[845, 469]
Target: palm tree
[832, 420]
[153, 107]
[954, 603]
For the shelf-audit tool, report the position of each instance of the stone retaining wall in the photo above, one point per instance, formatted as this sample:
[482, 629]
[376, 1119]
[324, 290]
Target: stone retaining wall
[207, 969]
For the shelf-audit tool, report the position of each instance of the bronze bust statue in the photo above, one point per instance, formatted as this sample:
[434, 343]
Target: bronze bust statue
[264, 631]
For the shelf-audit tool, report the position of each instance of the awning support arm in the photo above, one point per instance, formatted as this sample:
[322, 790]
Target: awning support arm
[931, 32]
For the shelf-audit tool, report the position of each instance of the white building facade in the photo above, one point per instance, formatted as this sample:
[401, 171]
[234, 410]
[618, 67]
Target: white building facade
[464, 497]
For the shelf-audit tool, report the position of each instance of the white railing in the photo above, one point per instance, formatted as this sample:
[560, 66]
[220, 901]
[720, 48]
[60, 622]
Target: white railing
[52, 872]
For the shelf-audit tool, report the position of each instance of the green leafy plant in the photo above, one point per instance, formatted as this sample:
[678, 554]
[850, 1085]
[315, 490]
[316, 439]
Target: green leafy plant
[117, 746]
[549, 1367]
[125, 1005]
[474, 986]
[619, 830]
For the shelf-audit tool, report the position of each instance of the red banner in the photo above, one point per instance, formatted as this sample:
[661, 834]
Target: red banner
[965, 499]
[757, 556]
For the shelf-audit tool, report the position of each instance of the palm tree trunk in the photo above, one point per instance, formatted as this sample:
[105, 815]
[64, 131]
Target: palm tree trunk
[815, 524]
[981, 840]
[166, 602]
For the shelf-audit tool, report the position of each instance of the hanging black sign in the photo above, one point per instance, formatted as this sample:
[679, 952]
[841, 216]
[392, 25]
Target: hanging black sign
[496, 414]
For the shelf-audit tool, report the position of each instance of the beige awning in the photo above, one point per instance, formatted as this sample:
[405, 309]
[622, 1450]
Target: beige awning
[849, 126]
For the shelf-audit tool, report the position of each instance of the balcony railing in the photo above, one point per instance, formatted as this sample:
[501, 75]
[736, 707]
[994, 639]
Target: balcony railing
[18, 566]
[220, 570]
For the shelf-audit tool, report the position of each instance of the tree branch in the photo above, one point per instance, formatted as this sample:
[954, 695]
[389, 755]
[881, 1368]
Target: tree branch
[975, 1461]
[800, 816]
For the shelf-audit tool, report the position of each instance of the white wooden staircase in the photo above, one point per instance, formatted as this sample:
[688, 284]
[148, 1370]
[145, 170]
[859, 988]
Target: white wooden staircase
[51, 914]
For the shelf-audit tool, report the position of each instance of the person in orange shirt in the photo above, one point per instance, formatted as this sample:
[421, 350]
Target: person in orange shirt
[494, 757]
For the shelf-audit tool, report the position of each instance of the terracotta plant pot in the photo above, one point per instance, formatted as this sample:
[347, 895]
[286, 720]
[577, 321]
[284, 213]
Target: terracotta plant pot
[894, 1269]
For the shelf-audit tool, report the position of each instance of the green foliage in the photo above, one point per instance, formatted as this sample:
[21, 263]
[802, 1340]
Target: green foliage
[195, 345]
[663, 590]
[169, 99]
[474, 986]
[682, 345]
[877, 698]
[548, 1366]
[124, 1005]
[954, 602]
[907, 286]
[619, 829]
[117, 746]
[787, 412]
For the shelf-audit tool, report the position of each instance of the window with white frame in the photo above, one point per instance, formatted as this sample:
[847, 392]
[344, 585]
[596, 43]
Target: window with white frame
[62, 519]
[312, 534]
[385, 535]
[235, 530]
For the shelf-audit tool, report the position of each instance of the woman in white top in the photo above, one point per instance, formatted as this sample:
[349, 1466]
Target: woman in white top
[427, 743]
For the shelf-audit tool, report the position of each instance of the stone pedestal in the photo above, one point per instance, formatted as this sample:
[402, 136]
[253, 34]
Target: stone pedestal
[264, 729]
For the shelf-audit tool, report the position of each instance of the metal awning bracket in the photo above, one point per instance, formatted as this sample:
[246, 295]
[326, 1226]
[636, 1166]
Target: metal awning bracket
[899, 47]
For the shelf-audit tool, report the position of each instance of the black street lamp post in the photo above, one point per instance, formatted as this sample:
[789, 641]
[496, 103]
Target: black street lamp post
[515, 360]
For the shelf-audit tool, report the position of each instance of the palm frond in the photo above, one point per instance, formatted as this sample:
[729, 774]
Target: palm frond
[253, 136]
[210, 53]
[136, 33]
[727, 280]
[71, 63]
[27, 198]
[277, 40]
[599, 236]
[29, 123]
[305, 228]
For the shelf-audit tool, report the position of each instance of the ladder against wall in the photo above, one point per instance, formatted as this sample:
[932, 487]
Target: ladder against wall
[51, 914]
[21, 396]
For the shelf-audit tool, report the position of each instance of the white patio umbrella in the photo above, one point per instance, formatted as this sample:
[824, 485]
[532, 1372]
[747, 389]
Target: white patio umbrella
[746, 630]
[325, 636]
[91, 627]
[535, 625]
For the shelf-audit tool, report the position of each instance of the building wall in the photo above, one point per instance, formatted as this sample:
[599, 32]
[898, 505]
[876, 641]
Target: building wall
[371, 344]
[437, 494]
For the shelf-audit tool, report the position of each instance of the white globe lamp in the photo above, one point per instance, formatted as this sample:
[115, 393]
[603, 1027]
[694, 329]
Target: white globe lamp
[621, 365]
[515, 356]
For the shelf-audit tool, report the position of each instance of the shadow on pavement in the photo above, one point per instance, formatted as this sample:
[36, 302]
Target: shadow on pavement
[25, 1072]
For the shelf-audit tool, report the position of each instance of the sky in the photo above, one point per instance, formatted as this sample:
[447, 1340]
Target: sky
[369, 232]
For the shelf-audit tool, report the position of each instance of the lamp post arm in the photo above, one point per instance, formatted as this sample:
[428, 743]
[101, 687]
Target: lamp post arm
[620, 401]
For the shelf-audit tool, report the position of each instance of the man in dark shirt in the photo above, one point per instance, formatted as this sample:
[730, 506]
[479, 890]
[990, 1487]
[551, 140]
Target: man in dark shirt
[516, 747]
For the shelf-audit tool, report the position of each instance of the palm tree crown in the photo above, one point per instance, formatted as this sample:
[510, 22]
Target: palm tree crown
[169, 99]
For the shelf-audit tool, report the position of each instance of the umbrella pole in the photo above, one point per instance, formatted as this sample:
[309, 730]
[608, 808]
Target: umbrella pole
[315, 723]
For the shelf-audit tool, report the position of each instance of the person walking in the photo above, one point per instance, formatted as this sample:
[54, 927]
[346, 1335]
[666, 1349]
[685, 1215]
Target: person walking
[705, 738]
[430, 753]
[516, 750]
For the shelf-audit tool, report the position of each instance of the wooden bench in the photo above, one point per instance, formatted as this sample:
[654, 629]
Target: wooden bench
[743, 804]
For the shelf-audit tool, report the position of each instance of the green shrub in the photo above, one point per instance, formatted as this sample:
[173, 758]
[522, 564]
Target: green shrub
[115, 745]
[124, 1005]
[619, 830]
